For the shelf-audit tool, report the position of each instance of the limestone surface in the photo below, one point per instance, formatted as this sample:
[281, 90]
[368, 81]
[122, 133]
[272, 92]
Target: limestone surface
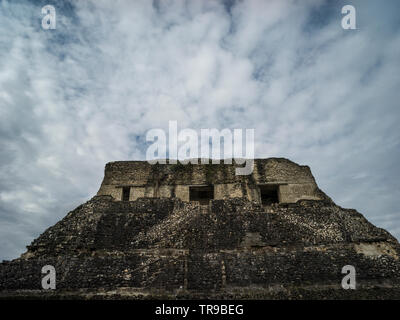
[233, 247]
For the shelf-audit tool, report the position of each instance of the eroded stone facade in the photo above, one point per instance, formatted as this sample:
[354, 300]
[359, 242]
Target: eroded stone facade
[165, 244]
[292, 181]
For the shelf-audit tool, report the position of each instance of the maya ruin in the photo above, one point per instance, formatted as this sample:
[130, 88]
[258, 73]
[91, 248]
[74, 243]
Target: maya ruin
[200, 231]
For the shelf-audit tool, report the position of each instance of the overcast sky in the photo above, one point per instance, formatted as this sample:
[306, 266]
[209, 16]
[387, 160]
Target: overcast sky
[74, 98]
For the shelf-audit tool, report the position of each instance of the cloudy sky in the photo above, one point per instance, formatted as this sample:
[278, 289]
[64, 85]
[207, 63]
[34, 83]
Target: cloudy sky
[74, 98]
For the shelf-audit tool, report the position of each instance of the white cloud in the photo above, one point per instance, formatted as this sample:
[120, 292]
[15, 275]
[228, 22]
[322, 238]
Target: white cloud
[77, 97]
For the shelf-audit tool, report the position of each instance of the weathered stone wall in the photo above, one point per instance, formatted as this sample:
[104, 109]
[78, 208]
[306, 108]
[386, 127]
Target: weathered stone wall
[290, 193]
[173, 180]
[234, 247]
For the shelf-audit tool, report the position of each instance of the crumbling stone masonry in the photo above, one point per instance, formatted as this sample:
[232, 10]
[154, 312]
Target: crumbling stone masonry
[138, 179]
[196, 231]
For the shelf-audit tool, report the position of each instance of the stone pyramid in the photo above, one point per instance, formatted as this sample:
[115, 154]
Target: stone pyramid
[271, 235]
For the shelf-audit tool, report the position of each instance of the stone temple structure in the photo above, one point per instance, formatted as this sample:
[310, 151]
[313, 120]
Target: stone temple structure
[274, 181]
[200, 231]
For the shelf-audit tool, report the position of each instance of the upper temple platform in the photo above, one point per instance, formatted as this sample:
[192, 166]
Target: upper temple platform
[273, 180]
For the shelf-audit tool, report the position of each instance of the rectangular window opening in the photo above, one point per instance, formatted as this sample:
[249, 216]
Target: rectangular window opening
[269, 194]
[126, 193]
[202, 194]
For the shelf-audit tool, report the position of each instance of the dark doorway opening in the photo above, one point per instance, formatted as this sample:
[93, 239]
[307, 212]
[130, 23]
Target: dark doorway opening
[202, 194]
[126, 191]
[269, 194]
